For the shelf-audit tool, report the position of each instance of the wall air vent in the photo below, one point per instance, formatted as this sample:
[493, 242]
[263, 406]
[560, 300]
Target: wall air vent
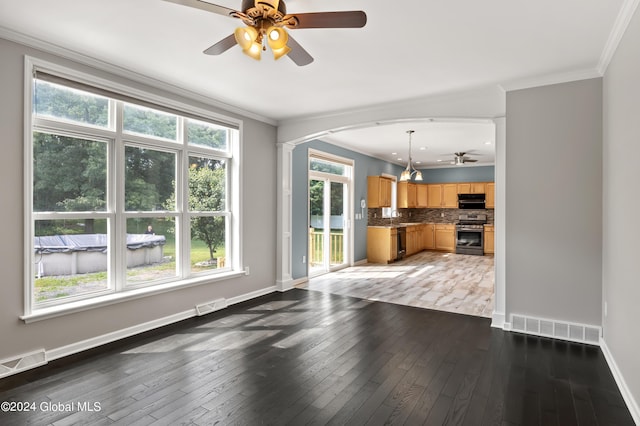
[573, 332]
[212, 306]
[22, 362]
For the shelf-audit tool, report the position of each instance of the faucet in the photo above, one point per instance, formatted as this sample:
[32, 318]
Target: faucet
[393, 212]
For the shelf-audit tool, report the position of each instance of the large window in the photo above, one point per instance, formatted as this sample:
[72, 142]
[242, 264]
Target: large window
[124, 194]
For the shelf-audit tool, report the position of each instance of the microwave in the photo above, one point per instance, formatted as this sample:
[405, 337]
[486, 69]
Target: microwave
[471, 201]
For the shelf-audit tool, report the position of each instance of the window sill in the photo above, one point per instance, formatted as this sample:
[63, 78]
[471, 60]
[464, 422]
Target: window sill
[125, 296]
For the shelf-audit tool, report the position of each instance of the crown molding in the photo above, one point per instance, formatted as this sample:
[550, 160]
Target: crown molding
[549, 79]
[80, 58]
[617, 32]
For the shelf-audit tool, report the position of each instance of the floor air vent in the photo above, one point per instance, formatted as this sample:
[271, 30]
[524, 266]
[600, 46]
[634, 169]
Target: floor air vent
[209, 307]
[23, 362]
[559, 330]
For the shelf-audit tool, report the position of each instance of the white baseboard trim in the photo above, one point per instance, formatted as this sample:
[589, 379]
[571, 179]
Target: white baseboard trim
[251, 295]
[56, 353]
[93, 342]
[497, 319]
[632, 404]
[284, 285]
[360, 262]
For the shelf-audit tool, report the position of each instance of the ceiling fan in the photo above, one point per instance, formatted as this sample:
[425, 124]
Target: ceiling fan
[265, 22]
[461, 158]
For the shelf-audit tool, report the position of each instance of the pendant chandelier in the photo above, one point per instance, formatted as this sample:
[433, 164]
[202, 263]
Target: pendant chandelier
[408, 173]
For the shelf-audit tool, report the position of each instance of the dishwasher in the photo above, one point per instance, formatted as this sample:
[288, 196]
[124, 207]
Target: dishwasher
[402, 242]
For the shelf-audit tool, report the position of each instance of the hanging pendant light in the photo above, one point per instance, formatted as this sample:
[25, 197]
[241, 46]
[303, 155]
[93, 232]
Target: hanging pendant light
[410, 171]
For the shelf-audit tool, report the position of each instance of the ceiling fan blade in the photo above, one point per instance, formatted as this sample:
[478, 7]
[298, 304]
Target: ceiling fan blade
[222, 46]
[297, 54]
[469, 160]
[348, 19]
[203, 5]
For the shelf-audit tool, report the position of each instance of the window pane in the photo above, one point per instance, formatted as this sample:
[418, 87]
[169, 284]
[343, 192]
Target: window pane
[69, 174]
[326, 166]
[149, 179]
[207, 134]
[151, 249]
[55, 101]
[70, 257]
[149, 122]
[207, 184]
[208, 243]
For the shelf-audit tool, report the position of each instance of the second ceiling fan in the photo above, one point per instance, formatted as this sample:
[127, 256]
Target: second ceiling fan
[265, 22]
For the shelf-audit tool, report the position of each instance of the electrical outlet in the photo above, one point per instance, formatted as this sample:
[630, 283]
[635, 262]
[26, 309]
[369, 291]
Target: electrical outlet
[605, 309]
[304, 259]
[442, 214]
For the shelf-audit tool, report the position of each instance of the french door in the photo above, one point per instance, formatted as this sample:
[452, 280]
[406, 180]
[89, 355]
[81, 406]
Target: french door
[329, 213]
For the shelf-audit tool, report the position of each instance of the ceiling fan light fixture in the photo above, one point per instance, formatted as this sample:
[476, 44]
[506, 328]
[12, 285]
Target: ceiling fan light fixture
[279, 53]
[277, 38]
[254, 50]
[245, 37]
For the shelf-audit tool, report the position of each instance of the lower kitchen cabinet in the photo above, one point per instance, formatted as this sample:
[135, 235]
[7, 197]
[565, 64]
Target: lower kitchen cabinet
[489, 239]
[429, 238]
[382, 244]
[445, 237]
[415, 239]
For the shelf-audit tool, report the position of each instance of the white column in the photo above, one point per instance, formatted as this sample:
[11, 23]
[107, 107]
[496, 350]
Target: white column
[499, 297]
[284, 281]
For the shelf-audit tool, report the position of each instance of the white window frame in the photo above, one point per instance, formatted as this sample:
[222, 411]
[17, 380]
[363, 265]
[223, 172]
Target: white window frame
[115, 212]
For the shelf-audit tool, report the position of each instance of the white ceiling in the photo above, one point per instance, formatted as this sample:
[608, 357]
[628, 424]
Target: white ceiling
[407, 50]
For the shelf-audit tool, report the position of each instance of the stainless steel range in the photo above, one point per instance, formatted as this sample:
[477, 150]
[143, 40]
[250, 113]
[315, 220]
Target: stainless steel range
[470, 234]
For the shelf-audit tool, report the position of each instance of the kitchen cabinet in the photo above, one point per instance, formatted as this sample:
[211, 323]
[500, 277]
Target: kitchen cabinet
[407, 195]
[428, 235]
[382, 244]
[412, 237]
[489, 239]
[471, 188]
[378, 191]
[422, 195]
[442, 196]
[445, 237]
[490, 196]
[415, 239]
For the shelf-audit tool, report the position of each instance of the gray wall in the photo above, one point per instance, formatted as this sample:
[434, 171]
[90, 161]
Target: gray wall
[621, 206]
[259, 237]
[554, 201]
[364, 166]
[459, 174]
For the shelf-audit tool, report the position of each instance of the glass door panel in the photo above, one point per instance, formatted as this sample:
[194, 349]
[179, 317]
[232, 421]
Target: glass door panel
[316, 226]
[337, 229]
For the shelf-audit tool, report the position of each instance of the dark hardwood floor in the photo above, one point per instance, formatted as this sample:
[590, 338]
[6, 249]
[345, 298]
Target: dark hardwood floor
[305, 357]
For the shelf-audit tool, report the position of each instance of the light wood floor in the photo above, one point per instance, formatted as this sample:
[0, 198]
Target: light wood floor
[434, 280]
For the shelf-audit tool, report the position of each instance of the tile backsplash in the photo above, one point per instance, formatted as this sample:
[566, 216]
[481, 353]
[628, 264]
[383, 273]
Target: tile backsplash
[424, 215]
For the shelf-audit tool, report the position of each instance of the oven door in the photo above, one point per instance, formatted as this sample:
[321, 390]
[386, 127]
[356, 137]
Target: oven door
[469, 240]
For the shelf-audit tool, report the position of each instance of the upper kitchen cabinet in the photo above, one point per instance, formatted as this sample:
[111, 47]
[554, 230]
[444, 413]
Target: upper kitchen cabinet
[490, 196]
[378, 191]
[407, 195]
[442, 195]
[422, 196]
[472, 188]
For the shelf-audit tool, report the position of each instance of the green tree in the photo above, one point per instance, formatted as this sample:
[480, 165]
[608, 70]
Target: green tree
[207, 193]
[150, 178]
